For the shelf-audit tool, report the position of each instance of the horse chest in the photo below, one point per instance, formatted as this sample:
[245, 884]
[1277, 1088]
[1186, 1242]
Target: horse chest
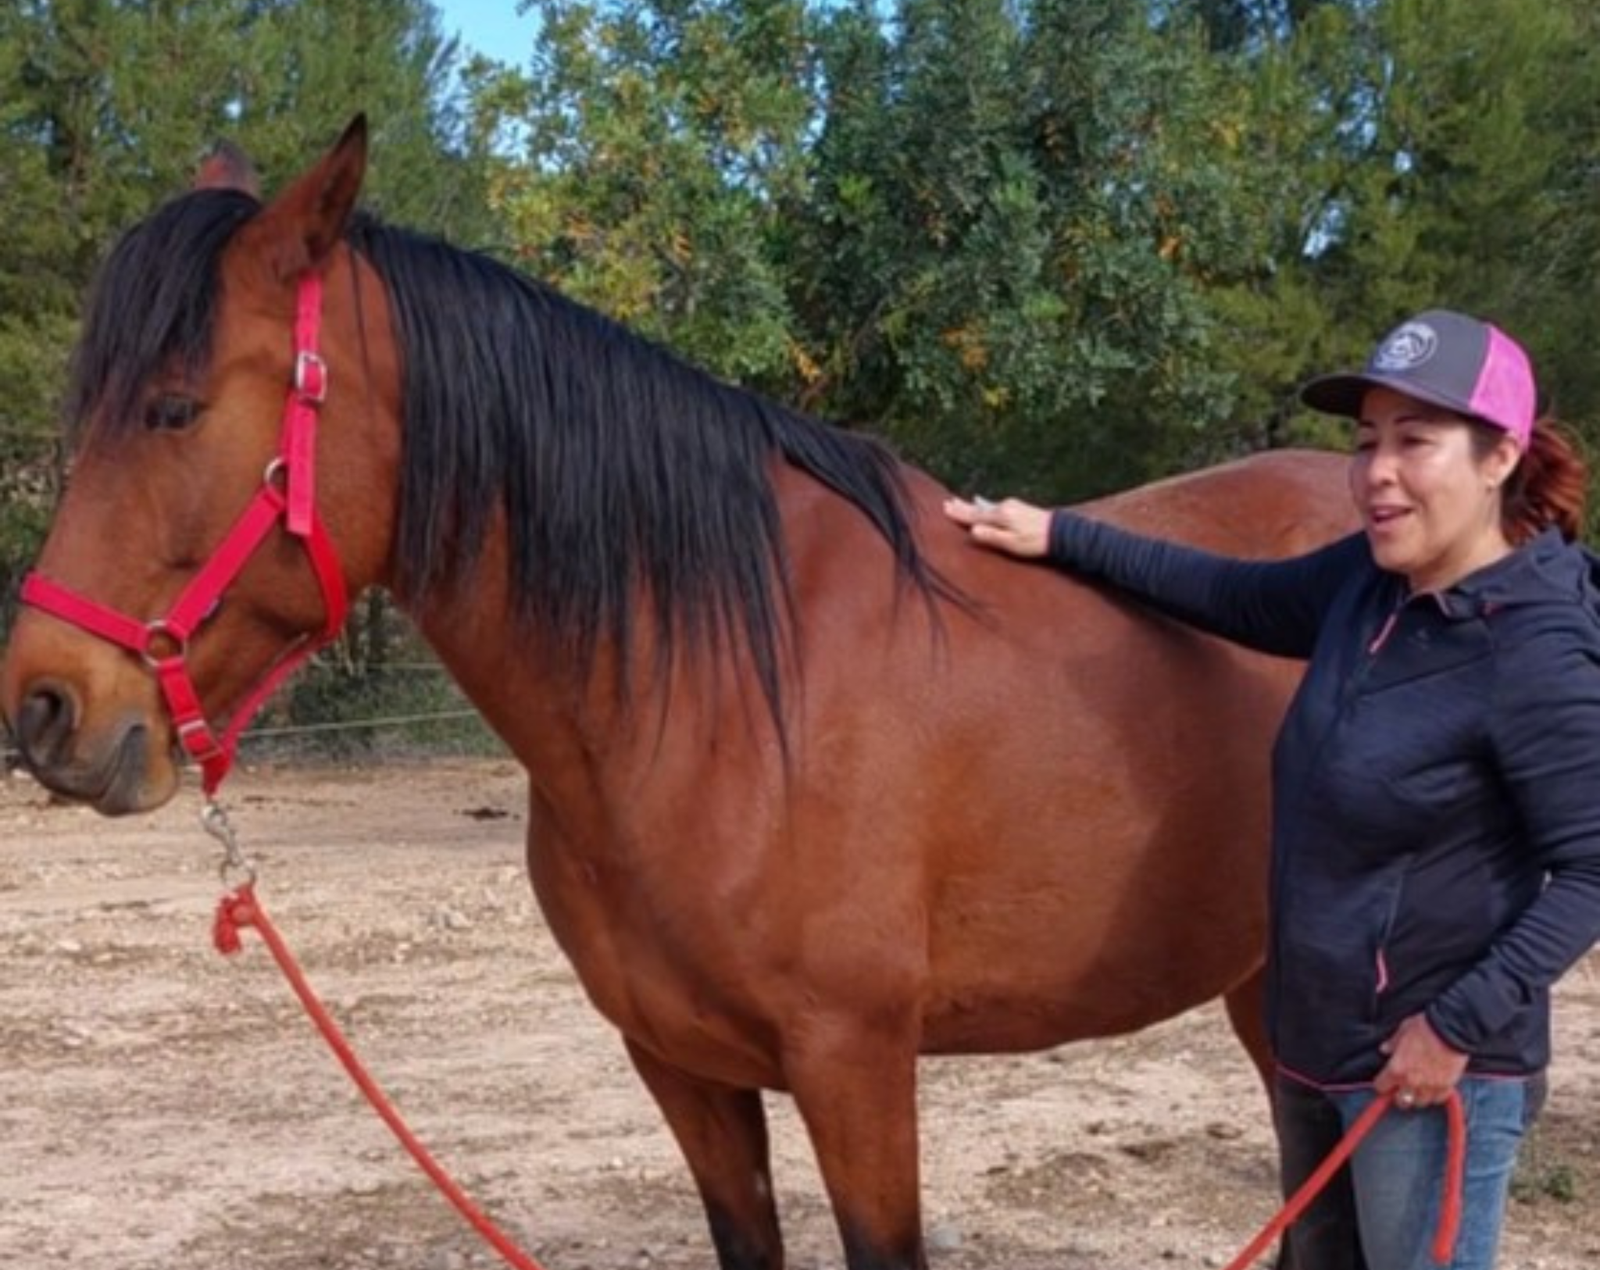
[658, 962]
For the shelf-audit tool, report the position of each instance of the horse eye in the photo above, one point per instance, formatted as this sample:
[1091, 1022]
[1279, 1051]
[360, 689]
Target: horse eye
[171, 412]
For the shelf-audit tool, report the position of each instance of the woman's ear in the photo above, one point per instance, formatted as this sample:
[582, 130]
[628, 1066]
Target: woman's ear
[1501, 461]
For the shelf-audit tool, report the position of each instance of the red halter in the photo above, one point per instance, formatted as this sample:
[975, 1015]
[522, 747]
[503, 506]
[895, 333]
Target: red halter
[288, 491]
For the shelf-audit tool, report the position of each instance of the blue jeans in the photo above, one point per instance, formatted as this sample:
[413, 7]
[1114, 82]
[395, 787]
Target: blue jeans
[1381, 1212]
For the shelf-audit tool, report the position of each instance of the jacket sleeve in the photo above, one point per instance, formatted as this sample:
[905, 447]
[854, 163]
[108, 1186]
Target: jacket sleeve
[1271, 606]
[1546, 737]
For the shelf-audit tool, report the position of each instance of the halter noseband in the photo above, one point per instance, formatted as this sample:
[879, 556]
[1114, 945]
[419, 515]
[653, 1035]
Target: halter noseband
[288, 492]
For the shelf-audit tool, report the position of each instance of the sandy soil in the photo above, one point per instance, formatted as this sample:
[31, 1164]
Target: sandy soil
[164, 1107]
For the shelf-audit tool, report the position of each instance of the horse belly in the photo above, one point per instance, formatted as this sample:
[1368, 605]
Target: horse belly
[1049, 848]
[1106, 864]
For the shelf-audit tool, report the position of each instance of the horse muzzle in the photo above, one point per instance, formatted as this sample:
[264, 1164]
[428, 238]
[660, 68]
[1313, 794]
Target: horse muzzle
[119, 768]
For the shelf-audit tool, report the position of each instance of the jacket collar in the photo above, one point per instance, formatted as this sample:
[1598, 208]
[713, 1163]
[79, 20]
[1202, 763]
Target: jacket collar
[1543, 570]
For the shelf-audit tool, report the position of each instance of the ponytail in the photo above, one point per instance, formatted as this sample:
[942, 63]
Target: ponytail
[1548, 487]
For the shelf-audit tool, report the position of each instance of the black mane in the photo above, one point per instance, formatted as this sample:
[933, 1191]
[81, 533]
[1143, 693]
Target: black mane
[619, 468]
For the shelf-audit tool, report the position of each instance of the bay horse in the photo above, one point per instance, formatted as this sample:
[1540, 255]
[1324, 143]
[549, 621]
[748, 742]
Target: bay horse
[815, 786]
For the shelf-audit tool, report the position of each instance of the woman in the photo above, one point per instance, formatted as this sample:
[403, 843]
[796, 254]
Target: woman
[1436, 781]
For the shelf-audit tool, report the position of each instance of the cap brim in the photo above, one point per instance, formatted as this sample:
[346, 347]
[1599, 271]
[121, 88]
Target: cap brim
[1342, 394]
[1336, 394]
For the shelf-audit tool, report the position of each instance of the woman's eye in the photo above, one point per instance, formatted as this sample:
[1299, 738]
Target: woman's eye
[171, 412]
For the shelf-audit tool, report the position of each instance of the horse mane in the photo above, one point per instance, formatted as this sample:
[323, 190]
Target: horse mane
[620, 470]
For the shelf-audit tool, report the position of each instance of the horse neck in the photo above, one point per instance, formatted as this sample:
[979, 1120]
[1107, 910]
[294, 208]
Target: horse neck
[477, 637]
[582, 742]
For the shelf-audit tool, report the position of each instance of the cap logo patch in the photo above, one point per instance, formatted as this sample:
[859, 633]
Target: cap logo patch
[1406, 347]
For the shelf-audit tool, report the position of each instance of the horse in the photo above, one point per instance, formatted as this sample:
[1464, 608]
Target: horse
[816, 787]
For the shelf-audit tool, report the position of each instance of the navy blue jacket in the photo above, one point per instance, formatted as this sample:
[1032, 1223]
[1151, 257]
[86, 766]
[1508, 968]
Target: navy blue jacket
[1436, 786]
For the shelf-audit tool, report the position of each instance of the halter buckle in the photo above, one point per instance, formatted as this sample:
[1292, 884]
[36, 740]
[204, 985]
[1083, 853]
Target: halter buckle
[310, 377]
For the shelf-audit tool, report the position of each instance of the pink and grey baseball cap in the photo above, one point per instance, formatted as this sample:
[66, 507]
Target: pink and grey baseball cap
[1446, 359]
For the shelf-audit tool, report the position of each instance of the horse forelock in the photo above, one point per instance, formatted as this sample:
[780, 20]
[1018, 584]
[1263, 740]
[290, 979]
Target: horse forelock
[622, 471]
[152, 306]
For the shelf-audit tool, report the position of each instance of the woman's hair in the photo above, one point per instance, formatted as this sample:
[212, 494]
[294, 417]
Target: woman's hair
[1549, 487]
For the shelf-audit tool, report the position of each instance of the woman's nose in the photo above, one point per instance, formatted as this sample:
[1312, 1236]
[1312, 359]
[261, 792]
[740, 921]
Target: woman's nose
[1379, 468]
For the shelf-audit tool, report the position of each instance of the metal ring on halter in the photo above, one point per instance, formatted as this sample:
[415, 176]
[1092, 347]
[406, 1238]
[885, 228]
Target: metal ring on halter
[275, 468]
[160, 628]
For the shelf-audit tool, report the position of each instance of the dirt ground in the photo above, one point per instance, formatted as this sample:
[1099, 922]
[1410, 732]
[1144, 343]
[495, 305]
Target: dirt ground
[163, 1107]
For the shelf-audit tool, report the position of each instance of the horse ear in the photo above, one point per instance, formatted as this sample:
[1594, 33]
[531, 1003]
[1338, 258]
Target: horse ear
[228, 168]
[304, 223]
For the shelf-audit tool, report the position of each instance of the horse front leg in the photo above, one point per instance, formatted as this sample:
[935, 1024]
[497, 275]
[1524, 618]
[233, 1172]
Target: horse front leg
[856, 1090]
[722, 1133]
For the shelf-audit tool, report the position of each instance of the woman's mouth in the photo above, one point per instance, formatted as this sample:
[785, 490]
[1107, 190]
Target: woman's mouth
[1381, 517]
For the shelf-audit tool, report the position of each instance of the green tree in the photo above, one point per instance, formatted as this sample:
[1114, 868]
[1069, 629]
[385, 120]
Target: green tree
[988, 229]
[1421, 152]
[1018, 213]
[657, 144]
[1058, 245]
[1440, 153]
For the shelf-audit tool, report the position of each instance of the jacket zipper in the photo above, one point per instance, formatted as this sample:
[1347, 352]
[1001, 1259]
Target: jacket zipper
[1384, 631]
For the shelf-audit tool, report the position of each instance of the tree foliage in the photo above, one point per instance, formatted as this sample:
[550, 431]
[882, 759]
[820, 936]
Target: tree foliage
[658, 140]
[1059, 245]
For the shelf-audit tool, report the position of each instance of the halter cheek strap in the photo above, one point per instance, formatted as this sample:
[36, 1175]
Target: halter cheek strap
[287, 494]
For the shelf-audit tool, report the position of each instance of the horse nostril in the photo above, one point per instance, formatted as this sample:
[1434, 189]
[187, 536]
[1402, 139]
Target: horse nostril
[44, 726]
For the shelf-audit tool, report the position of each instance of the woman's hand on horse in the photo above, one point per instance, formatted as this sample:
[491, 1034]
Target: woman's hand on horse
[1012, 526]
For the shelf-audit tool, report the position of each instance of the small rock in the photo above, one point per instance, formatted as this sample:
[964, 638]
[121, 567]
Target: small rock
[445, 918]
[943, 1237]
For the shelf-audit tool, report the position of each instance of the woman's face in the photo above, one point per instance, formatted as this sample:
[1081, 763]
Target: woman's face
[1430, 505]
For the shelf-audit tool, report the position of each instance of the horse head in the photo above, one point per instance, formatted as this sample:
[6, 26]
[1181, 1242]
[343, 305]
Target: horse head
[189, 562]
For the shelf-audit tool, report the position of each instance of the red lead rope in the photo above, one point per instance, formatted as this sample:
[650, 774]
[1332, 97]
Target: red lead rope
[1444, 1239]
[241, 908]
